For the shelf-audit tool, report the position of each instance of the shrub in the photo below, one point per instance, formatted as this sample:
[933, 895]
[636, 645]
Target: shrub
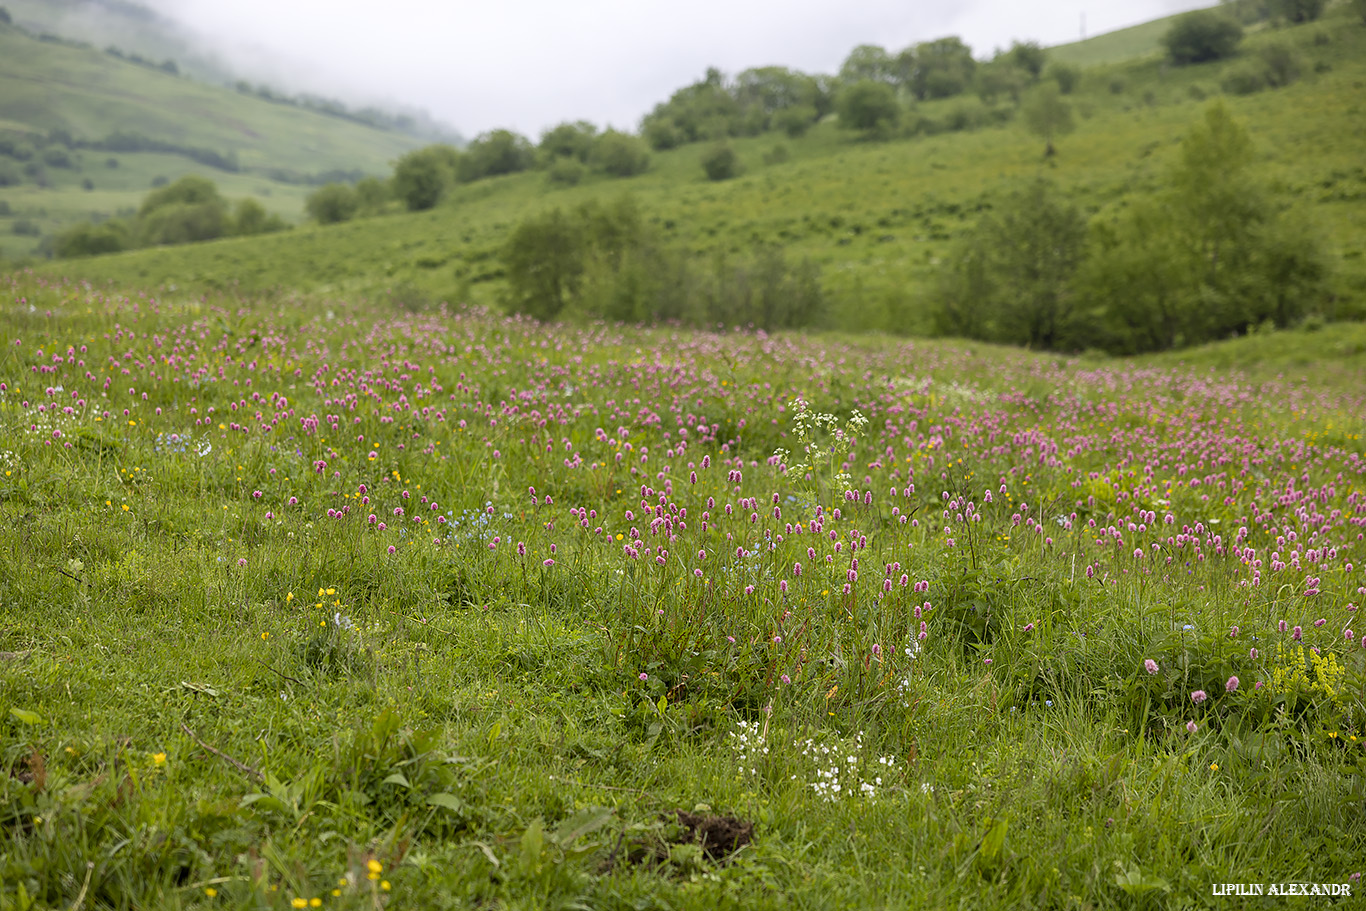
[776, 155]
[373, 194]
[720, 162]
[56, 157]
[796, 120]
[422, 176]
[1280, 64]
[544, 261]
[1067, 77]
[1359, 7]
[620, 154]
[1202, 36]
[1243, 79]
[250, 217]
[566, 172]
[332, 203]
[91, 240]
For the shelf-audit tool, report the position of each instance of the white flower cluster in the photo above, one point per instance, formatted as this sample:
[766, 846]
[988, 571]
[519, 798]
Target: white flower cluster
[837, 770]
[749, 746]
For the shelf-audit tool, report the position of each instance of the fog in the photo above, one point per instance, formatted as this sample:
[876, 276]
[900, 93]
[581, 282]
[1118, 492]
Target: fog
[528, 64]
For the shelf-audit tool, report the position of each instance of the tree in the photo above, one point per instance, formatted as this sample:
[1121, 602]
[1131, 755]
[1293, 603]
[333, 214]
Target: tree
[1359, 7]
[868, 61]
[620, 154]
[869, 106]
[1047, 115]
[1027, 56]
[774, 90]
[999, 79]
[942, 69]
[495, 153]
[1202, 36]
[422, 176]
[568, 140]
[1211, 257]
[705, 110]
[1012, 277]
[332, 203]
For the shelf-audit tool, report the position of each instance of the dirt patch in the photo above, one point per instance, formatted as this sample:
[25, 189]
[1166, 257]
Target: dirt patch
[719, 836]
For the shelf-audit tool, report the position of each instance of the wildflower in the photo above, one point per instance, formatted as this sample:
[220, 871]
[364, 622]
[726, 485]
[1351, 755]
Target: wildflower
[1231, 685]
[210, 891]
[1029, 627]
[1192, 727]
[1150, 665]
[1199, 696]
[644, 676]
[299, 903]
[159, 758]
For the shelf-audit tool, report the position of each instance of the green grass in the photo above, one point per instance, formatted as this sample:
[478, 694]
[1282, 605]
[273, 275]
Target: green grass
[878, 217]
[1119, 46]
[219, 693]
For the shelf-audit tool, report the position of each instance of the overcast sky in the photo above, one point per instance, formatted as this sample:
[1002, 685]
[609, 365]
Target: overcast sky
[528, 64]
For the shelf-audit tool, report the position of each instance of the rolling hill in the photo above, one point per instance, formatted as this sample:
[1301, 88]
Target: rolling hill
[88, 132]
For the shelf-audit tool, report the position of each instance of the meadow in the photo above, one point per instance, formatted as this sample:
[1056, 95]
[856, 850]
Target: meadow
[307, 601]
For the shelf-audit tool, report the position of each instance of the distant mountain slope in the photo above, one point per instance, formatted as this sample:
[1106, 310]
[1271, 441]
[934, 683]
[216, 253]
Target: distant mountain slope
[47, 86]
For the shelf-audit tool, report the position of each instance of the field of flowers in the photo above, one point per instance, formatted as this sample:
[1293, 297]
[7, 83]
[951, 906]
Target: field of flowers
[320, 604]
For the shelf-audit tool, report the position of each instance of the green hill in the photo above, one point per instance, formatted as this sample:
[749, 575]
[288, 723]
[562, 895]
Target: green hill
[878, 217]
[74, 118]
[1119, 46]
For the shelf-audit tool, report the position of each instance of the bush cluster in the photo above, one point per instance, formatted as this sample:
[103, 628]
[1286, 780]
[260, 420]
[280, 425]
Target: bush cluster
[1211, 257]
[189, 210]
[606, 262]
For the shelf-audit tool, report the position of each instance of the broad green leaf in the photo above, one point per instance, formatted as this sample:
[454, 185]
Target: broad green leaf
[449, 801]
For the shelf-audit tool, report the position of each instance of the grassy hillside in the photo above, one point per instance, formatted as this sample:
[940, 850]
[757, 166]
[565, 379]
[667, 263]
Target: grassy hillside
[46, 86]
[1119, 46]
[878, 216]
